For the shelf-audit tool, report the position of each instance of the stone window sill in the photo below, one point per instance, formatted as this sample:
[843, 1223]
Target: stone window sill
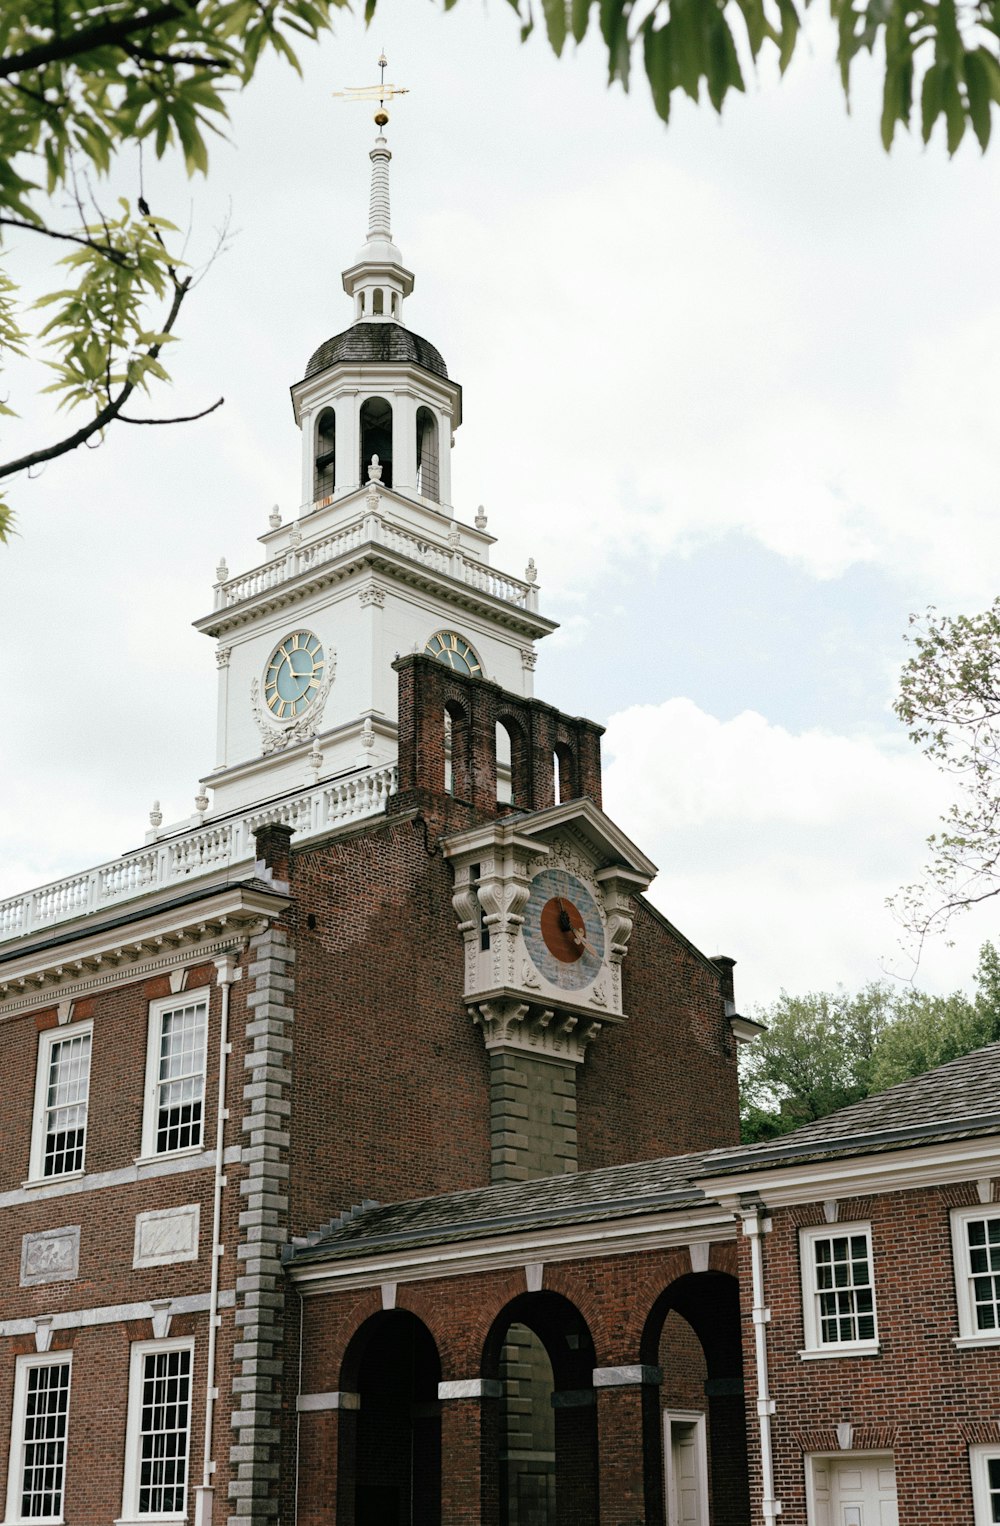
[824, 1353]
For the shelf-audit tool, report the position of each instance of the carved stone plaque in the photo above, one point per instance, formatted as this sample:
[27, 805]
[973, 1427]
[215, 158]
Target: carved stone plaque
[52, 1255]
[167, 1234]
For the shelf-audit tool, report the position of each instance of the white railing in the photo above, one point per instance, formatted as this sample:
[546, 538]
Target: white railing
[371, 528]
[201, 851]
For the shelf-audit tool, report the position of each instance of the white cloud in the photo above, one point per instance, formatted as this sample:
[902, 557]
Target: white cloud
[780, 849]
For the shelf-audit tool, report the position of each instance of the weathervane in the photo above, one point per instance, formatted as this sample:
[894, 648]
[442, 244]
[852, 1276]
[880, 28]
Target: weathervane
[380, 92]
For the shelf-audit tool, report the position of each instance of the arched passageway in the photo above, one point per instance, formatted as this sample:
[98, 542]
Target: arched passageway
[541, 1350]
[698, 1427]
[390, 1473]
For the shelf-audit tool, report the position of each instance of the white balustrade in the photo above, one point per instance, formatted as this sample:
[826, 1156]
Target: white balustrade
[204, 850]
[368, 528]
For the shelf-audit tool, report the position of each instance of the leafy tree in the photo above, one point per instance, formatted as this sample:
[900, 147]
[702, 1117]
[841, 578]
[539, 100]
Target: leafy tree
[827, 1049]
[941, 56]
[949, 697]
[80, 81]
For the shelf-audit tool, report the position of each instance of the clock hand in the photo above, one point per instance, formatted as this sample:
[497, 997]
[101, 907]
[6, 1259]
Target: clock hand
[581, 942]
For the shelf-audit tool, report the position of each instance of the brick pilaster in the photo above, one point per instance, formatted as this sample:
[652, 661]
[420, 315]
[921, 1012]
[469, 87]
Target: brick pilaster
[260, 1290]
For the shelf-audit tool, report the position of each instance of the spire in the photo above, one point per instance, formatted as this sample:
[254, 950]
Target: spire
[378, 206]
[378, 280]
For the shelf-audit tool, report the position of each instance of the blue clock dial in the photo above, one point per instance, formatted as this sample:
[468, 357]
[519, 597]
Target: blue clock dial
[294, 675]
[563, 932]
[455, 652]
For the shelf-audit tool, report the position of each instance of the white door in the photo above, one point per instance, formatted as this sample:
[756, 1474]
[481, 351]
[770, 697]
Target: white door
[686, 1467]
[854, 1489]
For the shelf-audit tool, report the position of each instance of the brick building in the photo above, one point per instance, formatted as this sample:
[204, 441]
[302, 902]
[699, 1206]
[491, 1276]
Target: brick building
[370, 1149]
[398, 956]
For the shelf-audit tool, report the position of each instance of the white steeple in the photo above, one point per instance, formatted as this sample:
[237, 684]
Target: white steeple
[378, 280]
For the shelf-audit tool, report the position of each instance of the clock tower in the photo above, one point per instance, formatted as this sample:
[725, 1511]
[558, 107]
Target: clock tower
[374, 564]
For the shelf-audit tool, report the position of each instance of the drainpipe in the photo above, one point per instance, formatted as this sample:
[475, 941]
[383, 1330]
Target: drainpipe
[228, 973]
[754, 1226]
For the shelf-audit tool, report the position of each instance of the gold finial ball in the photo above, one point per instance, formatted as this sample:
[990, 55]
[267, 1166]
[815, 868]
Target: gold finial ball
[381, 118]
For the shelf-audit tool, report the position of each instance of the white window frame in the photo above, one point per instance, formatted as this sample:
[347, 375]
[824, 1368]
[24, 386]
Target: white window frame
[158, 1010]
[47, 1041]
[969, 1335]
[130, 1515]
[815, 1346]
[979, 1457]
[15, 1468]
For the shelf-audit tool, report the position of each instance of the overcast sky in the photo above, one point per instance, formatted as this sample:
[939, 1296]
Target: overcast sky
[733, 385]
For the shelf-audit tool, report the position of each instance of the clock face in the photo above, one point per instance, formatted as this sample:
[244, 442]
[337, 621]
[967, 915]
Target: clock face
[563, 931]
[455, 652]
[294, 675]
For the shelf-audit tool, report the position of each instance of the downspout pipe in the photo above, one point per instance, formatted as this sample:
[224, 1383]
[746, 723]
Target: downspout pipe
[755, 1226]
[228, 973]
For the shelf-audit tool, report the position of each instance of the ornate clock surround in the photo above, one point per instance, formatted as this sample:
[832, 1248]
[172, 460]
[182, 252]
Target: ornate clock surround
[506, 873]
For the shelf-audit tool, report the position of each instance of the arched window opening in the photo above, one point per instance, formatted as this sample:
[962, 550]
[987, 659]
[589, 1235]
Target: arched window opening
[396, 1472]
[428, 469]
[504, 792]
[377, 301]
[325, 480]
[362, 305]
[457, 741]
[376, 437]
[564, 767]
[395, 305]
[512, 764]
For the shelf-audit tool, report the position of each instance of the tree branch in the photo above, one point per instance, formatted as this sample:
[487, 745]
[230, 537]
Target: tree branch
[117, 255]
[108, 34]
[105, 415]
[182, 418]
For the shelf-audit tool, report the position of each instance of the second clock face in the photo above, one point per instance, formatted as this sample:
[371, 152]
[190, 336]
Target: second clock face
[563, 931]
[294, 675]
[455, 652]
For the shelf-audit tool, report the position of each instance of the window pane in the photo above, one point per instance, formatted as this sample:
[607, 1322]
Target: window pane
[44, 1441]
[845, 1300]
[66, 1105]
[163, 1432]
[181, 1078]
[983, 1238]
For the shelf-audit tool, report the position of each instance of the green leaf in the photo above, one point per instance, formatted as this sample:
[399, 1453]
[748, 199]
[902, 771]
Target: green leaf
[931, 102]
[579, 18]
[555, 23]
[954, 111]
[979, 93]
[658, 63]
[788, 33]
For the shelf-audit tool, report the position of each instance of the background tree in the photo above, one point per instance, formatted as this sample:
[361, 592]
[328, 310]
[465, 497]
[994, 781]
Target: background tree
[827, 1049]
[949, 697]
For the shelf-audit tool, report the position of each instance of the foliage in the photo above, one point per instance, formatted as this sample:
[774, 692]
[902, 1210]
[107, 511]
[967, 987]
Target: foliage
[79, 82]
[827, 1049]
[949, 697]
[941, 56]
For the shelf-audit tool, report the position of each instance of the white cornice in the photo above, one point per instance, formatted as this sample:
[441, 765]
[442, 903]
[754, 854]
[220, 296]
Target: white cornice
[163, 937]
[588, 823]
[376, 377]
[900, 1170]
[665, 1230]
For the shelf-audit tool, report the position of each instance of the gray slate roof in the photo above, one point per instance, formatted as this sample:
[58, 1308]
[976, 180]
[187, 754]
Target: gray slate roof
[958, 1100]
[385, 342]
[613, 1193]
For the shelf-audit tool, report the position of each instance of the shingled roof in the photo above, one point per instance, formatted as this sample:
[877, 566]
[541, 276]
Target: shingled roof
[378, 342]
[957, 1100]
[585, 1197]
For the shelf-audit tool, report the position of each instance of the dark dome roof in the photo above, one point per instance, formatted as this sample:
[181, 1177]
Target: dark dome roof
[379, 342]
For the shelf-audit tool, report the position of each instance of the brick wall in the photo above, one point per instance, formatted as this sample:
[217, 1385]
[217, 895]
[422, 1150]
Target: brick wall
[920, 1397]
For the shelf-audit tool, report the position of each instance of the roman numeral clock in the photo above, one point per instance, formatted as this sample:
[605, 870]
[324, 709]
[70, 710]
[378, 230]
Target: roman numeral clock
[544, 904]
[288, 700]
